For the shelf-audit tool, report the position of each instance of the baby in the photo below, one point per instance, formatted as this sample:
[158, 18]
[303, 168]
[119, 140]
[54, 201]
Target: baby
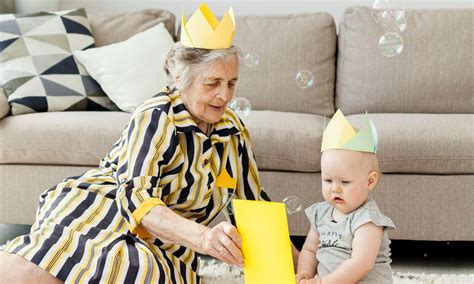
[347, 242]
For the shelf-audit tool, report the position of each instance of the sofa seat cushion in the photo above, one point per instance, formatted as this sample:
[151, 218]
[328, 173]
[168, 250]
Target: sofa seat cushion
[281, 141]
[423, 143]
[60, 138]
[286, 141]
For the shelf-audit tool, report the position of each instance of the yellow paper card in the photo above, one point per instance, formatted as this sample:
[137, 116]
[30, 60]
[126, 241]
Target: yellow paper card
[266, 243]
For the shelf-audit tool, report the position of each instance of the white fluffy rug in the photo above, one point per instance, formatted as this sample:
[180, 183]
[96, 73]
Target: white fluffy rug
[412, 278]
[235, 276]
[398, 278]
[214, 271]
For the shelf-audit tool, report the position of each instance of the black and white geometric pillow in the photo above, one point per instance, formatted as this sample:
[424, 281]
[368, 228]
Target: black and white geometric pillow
[37, 67]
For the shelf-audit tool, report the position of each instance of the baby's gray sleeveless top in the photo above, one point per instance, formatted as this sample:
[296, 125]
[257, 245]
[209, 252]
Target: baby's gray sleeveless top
[335, 239]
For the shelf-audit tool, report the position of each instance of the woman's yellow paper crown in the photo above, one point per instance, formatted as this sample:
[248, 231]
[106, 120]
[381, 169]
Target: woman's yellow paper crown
[204, 31]
[339, 134]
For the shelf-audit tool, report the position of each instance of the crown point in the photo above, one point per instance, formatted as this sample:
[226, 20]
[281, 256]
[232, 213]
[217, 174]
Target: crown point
[203, 30]
[339, 134]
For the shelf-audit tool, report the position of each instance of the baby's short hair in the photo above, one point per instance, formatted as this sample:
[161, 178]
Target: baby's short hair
[373, 162]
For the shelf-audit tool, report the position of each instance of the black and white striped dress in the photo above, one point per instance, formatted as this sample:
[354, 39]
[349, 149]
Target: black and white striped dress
[87, 228]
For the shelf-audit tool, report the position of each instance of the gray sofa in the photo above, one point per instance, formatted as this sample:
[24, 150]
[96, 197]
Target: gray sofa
[422, 103]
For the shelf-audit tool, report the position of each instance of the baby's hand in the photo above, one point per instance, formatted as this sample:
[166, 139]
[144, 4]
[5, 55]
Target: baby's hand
[302, 276]
[315, 280]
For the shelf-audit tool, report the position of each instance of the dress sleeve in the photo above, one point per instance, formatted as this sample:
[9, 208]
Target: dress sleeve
[366, 215]
[150, 145]
[248, 183]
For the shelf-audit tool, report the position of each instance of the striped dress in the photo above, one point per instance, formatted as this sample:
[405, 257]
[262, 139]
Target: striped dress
[87, 228]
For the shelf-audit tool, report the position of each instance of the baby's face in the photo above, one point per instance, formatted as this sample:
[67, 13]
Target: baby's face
[345, 179]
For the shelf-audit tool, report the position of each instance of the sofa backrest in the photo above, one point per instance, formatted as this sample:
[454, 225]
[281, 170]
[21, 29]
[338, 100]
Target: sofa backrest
[112, 28]
[285, 45]
[433, 73]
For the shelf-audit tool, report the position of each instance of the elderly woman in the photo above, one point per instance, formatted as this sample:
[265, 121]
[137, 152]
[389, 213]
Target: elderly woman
[141, 216]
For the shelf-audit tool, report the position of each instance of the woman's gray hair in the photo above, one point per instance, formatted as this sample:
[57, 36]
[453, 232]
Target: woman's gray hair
[183, 63]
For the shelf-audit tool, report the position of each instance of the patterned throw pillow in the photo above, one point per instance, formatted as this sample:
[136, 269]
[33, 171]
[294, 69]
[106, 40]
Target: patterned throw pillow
[37, 68]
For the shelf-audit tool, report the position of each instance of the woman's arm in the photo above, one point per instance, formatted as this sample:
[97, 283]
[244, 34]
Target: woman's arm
[149, 148]
[365, 248]
[222, 241]
[307, 262]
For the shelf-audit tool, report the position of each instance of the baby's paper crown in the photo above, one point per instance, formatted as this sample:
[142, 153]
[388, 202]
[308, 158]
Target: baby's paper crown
[204, 31]
[339, 134]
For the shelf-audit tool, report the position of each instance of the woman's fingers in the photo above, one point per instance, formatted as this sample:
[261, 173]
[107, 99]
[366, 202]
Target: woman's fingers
[232, 232]
[222, 252]
[231, 248]
[222, 240]
[225, 256]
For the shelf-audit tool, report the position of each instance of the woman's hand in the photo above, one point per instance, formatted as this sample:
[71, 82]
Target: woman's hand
[223, 242]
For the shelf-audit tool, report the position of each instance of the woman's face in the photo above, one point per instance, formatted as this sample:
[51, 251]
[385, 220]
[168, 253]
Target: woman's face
[212, 88]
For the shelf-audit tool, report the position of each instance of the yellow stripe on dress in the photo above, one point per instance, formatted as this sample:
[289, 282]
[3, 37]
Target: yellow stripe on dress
[95, 247]
[159, 254]
[117, 267]
[159, 147]
[137, 142]
[33, 247]
[53, 262]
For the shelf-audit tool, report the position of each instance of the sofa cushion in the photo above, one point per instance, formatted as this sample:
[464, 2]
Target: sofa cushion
[286, 141]
[43, 138]
[4, 105]
[112, 28]
[286, 45]
[433, 74]
[130, 80]
[37, 69]
[55, 138]
[423, 143]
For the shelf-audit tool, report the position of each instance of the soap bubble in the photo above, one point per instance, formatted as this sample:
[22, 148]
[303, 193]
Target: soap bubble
[293, 204]
[241, 106]
[304, 79]
[390, 15]
[394, 21]
[251, 59]
[391, 44]
[381, 5]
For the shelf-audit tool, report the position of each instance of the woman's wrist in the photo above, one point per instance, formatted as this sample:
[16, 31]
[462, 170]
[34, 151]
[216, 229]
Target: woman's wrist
[162, 222]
